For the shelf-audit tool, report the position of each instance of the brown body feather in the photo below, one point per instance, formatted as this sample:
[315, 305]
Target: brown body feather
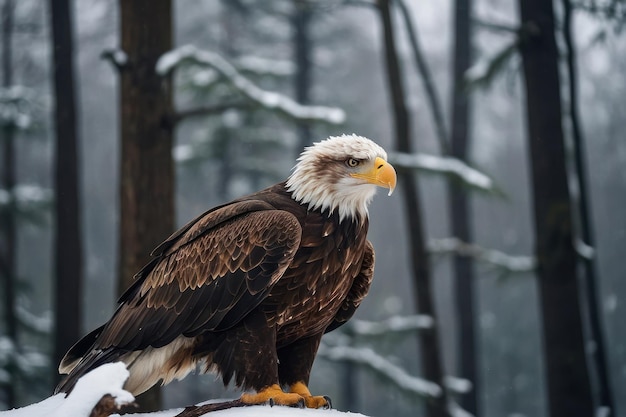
[247, 288]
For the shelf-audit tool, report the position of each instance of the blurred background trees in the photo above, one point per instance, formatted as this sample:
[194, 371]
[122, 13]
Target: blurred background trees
[484, 107]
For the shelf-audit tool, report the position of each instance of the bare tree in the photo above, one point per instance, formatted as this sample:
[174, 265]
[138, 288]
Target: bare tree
[147, 169]
[586, 235]
[431, 361]
[8, 260]
[569, 391]
[68, 242]
[459, 207]
[302, 50]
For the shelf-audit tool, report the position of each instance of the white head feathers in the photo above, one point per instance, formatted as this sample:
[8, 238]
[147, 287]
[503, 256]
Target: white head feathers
[323, 177]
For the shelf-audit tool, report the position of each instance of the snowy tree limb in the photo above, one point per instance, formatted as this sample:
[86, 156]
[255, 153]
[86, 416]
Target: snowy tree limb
[496, 258]
[457, 385]
[210, 109]
[269, 100]
[16, 106]
[386, 369]
[484, 71]
[395, 324]
[115, 57]
[444, 165]
[264, 66]
[29, 201]
[496, 27]
[38, 324]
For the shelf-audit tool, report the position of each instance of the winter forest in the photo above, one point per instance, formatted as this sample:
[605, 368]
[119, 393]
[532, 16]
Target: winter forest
[498, 289]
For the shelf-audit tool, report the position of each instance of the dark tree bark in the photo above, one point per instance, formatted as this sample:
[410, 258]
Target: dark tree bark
[425, 74]
[68, 242]
[8, 230]
[147, 168]
[302, 50]
[459, 209]
[569, 391]
[431, 361]
[598, 355]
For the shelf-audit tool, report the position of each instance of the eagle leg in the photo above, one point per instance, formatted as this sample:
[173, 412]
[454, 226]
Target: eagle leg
[275, 396]
[294, 369]
[310, 401]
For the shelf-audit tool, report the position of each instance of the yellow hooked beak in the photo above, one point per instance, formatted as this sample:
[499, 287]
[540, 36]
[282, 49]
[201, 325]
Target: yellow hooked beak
[382, 174]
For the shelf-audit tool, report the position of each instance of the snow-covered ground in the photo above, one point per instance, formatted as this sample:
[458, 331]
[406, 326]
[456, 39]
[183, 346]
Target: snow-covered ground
[109, 379]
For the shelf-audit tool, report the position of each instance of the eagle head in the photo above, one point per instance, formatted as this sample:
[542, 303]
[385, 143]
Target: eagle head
[341, 174]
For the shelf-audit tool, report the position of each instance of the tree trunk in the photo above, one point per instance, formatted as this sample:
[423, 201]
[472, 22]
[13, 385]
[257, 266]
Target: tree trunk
[147, 170]
[302, 49]
[431, 361]
[459, 209]
[68, 248]
[431, 95]
[598, 355]
[8, 229]
[569, 391]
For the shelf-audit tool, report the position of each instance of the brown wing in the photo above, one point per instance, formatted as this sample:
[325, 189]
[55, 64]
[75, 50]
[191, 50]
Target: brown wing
[358, 291]
[207, 277]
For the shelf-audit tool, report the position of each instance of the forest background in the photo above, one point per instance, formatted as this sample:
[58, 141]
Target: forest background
[470, 310]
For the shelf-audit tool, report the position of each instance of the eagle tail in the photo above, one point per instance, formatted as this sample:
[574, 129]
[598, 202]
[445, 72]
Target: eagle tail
[82, 358]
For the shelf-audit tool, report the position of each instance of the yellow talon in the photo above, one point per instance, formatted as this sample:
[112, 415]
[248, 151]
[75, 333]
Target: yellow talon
[274, 395]
[310, 401]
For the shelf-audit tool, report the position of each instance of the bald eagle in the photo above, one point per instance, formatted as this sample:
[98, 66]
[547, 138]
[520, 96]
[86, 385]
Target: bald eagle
[247, 289]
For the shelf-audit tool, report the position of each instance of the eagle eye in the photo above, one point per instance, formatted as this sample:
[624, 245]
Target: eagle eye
[352, 162]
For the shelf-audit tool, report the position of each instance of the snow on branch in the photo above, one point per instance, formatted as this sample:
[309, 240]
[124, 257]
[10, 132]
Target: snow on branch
[266, 99]
[444, 165]
[117, 57]
[457, 385]
[29, 202]
[395, 324]
[26, 362]
[264, 66]
[453, 245]
[26, 195]
[16, 104]
[38, 324]
[584, 250]
[367, 358]
[486, 69]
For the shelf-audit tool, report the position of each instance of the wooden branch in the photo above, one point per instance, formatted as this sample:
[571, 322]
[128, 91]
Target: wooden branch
[496, 27]
[107, 406]
[117, 58]
[199, 410]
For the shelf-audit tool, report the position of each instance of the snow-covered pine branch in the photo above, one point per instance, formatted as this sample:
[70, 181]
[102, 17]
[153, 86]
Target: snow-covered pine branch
[38, 324]
[267, 99]
[444, 165]
[117, 57]
[264, 66]
[16, 105]
[25, 196]
[395, 324]
[510, 263]
[487, 68]
[27, 361]
[371, 360]
[29, 201]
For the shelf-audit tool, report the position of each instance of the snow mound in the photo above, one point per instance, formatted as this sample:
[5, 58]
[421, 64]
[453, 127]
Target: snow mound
[259, 411]
[107, 379]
